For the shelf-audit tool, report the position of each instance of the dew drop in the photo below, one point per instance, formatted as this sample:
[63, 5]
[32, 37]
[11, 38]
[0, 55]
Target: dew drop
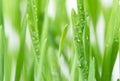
[77, 23]
[80, 7]
[35, 34]
[36, 42]
[78, 40]
[82, 19]
[33, 38]
[80, 66]
[87, 17]
[80, 32]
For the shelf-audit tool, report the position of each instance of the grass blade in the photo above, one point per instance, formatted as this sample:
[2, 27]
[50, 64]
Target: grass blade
[63, 39]
[43, 47]
[91, 76]
[111, 46]
[1, 54]
[79, 23]
[2, 45]
[55, 66]
[72, 77]
[32, 23]
[41, 6]
[40, 65]
[93, 10]
[20, 59]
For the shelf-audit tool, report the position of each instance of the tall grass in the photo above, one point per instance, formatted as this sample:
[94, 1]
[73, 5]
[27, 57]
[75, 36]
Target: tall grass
[57, 50]
[2, 44]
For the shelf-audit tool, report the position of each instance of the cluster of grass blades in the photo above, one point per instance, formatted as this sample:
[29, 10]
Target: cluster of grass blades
[55, 52]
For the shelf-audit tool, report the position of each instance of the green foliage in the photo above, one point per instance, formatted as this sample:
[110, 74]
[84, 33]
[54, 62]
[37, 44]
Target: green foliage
[53, 54]
[62, 40]
[2, 45]
[91, 76]
[20, 58]
[112, 44]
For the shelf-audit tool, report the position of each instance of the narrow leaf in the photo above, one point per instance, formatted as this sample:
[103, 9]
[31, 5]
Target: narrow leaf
[91, 76]
[62, 40]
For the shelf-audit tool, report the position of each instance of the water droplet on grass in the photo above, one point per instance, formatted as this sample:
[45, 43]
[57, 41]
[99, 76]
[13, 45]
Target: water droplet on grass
[34, 34]
[80, 32]
[82, 19]
[78, 40]
[33, 38]
[36, 41]
[77, 23]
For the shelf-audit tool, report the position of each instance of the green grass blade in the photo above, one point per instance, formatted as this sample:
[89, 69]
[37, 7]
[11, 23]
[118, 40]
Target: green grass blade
[31, 72]
[1, 54]
[72, 77]
[111, 45]
[97, 62]
[93, 10]
[1, 42]
[78, 22]
[40, 65]
[30, 63]
[12, 10]
[32, 23]
[20, 59]
[78, 49]
[86, 42]
[62, 40]
[119, 50]
[63, 17]
[43, 47]
[81, 40]
[47, 72]
[8, 68]
[41, 6]
[91, 76]
[54, 64]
